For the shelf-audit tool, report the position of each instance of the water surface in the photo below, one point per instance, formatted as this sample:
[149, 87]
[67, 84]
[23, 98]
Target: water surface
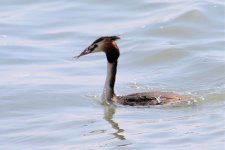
[50, 101]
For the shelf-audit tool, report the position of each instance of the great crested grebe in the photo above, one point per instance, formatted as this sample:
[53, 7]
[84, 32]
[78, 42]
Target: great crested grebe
[108, 45]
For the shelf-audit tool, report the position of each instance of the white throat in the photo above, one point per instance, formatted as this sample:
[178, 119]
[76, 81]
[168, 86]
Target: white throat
[108, 91]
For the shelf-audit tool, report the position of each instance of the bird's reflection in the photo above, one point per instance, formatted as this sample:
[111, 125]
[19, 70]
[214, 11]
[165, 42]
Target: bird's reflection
[109, 111]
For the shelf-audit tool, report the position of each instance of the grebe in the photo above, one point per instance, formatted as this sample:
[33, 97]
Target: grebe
[108, 45]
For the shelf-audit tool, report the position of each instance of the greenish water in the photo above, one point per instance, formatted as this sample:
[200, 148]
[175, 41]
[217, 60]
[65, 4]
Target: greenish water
[50, 101]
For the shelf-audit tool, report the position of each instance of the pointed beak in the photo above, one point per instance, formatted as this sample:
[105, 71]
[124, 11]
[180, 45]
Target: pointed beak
[85, 52]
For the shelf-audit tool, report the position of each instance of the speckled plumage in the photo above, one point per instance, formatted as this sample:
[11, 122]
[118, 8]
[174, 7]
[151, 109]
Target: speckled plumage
[149, 98]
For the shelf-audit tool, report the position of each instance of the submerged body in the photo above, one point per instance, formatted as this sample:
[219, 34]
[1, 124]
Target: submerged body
[110, 48]
[149, 98]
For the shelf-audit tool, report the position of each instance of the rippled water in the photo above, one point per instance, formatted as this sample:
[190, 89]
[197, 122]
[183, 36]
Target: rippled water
[49, 101]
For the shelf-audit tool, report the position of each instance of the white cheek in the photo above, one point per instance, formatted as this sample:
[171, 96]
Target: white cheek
[94, 51]
[99, 48]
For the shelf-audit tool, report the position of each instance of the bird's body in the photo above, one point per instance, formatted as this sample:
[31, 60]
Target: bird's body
[149, 98]
[109, 47]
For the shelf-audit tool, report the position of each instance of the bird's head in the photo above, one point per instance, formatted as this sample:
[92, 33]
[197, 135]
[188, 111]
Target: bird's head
[104, 44]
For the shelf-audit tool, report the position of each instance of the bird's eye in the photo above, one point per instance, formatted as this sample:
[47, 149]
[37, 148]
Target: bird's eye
[93, 47]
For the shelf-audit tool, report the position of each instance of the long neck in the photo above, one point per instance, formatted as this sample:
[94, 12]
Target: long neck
[108, 91]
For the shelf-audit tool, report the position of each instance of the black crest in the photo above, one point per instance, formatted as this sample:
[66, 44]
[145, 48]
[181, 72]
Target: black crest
[99, 40]
[104, 37]
[114, 38]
